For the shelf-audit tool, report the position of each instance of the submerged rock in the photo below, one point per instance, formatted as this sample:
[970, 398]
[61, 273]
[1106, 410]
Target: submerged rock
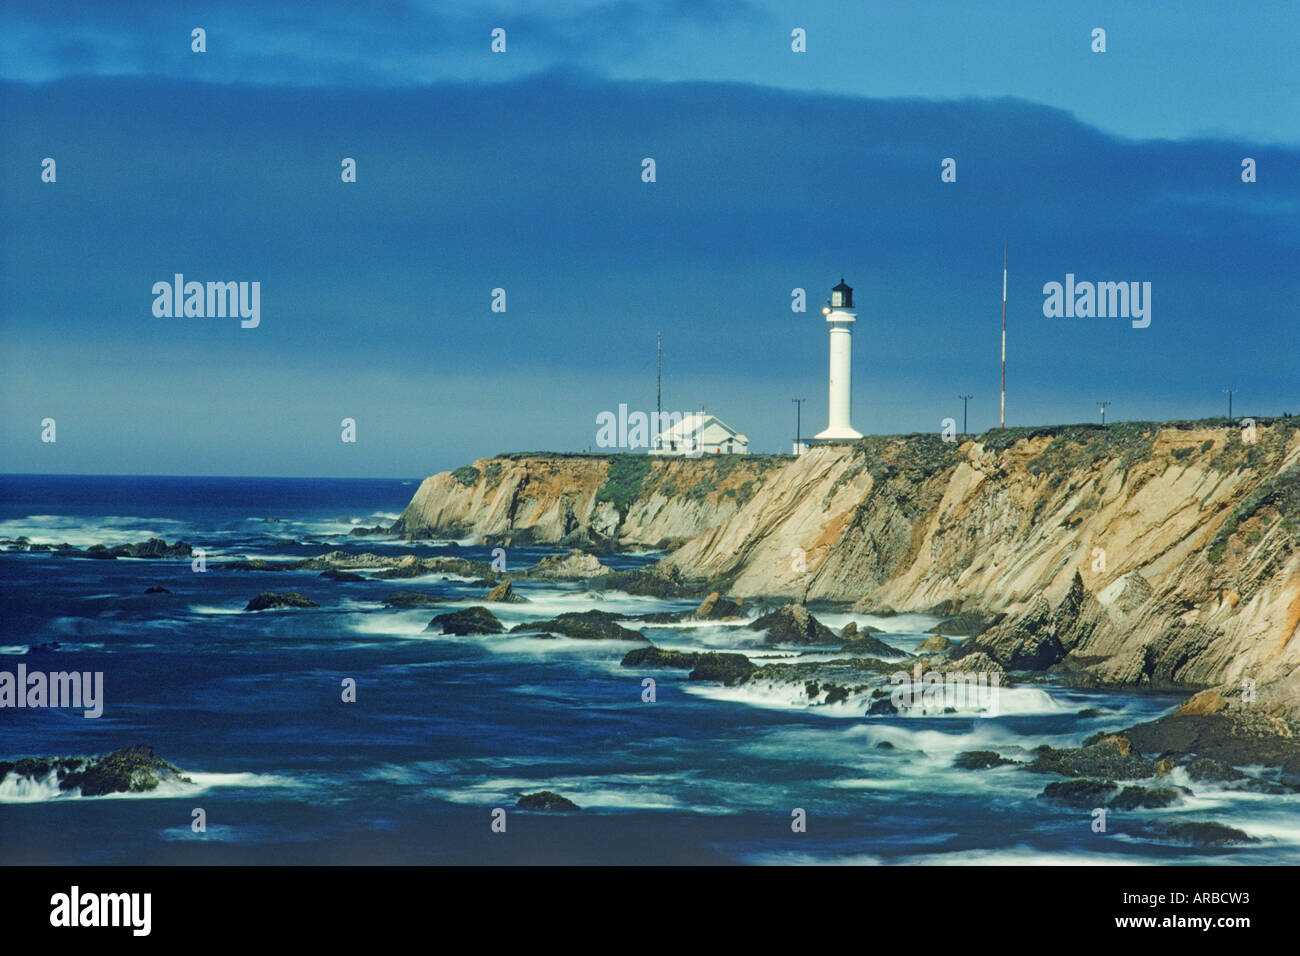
[407, 599]
[270, 600]
[470, 620]
[546, 802]
[333, 574]
[794, 624]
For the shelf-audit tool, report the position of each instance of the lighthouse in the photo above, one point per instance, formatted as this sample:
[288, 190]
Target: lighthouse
[840, 315]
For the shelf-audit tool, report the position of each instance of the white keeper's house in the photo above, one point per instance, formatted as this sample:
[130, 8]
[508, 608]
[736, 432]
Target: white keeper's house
[698, 434]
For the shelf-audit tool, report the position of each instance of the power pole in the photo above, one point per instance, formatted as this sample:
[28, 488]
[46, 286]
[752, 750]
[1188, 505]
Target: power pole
[964, 400]
[1230, 392]
[798, 424]
[1103, 411]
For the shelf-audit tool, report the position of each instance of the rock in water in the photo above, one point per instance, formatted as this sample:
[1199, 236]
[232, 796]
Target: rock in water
[717, 608]
[470, 620]
[134, 769]
[547, 802]
[585, 625]
[727, 669]
[659, 657]
[268, 600]
[575, 564]
[850, 631]
[867, 644]
[979, 760]
[794, 624]
[333, 574]
[412, 599]
[933, 645]
[503, 593]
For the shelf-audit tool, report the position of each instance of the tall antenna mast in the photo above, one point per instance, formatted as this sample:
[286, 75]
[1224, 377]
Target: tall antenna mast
[659, 376]
[1002, 415]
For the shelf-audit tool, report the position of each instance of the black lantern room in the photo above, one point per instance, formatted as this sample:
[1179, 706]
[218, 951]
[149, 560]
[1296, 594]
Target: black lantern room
[841, 296]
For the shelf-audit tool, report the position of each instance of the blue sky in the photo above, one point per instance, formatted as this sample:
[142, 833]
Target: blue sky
[522, 170]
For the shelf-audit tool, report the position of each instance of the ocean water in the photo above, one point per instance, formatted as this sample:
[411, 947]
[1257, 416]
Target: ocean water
[445, 730]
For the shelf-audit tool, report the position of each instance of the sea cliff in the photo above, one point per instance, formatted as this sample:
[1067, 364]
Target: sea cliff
[1157, 554]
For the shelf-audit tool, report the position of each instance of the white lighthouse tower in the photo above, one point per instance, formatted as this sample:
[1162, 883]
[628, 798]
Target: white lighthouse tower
[841, 317]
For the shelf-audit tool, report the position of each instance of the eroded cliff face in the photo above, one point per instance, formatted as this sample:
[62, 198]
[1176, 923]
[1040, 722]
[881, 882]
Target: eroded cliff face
[625, 500]
[1136, 554]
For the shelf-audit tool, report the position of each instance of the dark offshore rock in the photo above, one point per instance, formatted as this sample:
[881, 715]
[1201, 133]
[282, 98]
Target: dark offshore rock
[333, 574]
[157, 589]
[651, 582]
[966, 624]
[866, 644]
[980, 760]
[1233, 738]
[153, 548]
[269, 600]
[1112, 757]
[546, 802]
[659, 657]
[470, 620]
[366, 532]
[1199, 833]
[728, 669]
[884, 707]
[1080, 793]
[585, 625]
[503, 593]
[1145, 798]
[134, 769]
[717, 608]
[408, 599]
[835, 693]
[793, 624]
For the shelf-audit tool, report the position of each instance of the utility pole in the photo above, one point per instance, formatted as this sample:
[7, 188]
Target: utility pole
[964, 400]
[1230, 392]
[798, 423]
[1103, 411]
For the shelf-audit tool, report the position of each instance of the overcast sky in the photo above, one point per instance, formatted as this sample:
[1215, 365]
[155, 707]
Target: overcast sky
[523, 171]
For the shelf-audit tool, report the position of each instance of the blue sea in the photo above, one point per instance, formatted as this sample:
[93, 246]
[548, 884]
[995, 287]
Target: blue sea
[445, 730]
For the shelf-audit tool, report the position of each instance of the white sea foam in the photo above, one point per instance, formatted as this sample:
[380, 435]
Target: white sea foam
[18, 789]
[212, 609]
[82, 531]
